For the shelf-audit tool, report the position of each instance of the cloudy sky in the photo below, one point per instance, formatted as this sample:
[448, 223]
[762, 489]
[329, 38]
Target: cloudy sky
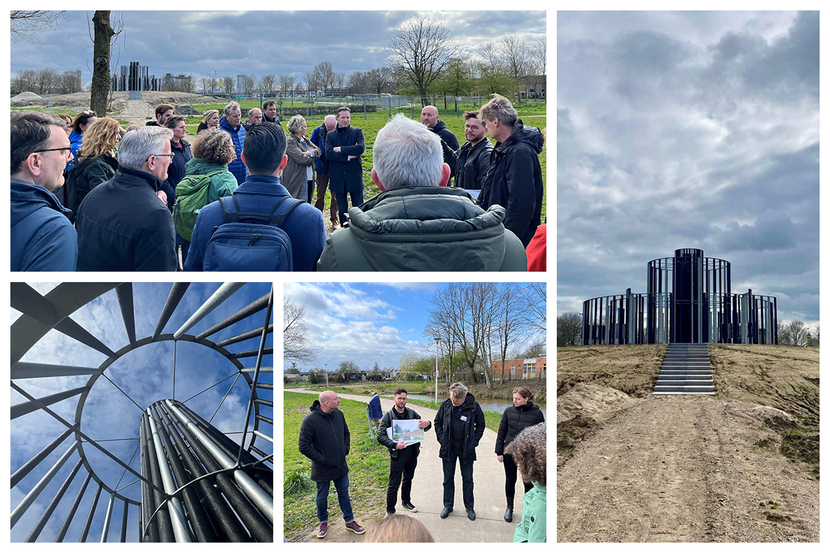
[258, 42]
[144, 376]
[366, 323]
[689, 130]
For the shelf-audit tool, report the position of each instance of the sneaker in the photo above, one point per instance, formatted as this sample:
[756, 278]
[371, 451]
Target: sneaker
[409, 507]
[321, 532]
[355, 527]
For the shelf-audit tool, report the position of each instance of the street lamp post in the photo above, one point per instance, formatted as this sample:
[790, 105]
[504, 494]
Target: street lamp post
[437, 339]
[327, 375]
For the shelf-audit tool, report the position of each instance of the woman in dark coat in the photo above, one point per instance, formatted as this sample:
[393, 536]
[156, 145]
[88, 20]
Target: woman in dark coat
[522, 414]
[95, 163]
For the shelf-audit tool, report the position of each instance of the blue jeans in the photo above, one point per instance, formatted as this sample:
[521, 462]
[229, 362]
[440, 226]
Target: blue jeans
[449, 480]
[342, 487]
[343, 202]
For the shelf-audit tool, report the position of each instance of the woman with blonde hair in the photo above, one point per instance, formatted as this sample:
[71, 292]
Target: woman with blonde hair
[298, 175]
[210, 120]
[95, 163]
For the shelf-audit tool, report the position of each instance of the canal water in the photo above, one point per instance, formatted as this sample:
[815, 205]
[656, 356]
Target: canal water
[493, 405]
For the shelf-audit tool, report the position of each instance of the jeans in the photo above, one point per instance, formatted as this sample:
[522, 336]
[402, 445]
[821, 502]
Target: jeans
[400, 470]
[343, 202]
[449, 480]
[510, 474]
[342, 487]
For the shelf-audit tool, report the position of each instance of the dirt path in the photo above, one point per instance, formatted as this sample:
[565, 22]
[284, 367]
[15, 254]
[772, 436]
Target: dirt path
[685, 469]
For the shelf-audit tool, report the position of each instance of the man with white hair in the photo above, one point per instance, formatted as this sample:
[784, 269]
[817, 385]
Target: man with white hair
[254, 118]
[416, 223]
[123, 224]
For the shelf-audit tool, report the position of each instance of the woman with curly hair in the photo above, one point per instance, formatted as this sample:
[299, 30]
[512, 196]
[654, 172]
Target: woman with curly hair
[298, 175]
[520, 415]
[212, 152]
[529, 450]
[95, 163]
[210, 120]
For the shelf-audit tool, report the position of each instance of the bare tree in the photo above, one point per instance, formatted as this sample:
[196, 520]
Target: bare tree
[247, 84]
[101, 50]
[295, 333]
[25, 24]
[312, 84]
[267, 84]
[794, 334]
[420, 51]
[510, 307]
[379, 79]
[228, 84]
[569, 329]
[539, 52]
[286, 83]
[324, 75]
[358, 82]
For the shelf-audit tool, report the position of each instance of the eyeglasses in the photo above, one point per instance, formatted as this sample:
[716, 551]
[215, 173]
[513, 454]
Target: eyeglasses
[171, 156]
[66, 150]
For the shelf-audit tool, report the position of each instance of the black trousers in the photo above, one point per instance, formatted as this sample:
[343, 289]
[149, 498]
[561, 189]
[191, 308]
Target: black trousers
[401, 472]
[449, 480]
[510, 474]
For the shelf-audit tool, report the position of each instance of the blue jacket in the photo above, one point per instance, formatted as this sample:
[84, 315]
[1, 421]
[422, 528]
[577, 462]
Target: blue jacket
[43, 239]
[259, 194]
[75, 140]
[318, 137]
[238, 136]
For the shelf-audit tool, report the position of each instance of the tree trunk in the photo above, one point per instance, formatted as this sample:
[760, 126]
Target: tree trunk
[101, 63]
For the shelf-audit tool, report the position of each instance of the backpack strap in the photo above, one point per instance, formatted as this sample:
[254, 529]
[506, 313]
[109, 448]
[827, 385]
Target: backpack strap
[270, 219]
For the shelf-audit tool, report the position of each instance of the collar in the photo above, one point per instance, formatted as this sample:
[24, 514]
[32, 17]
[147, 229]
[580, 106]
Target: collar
[151, 179]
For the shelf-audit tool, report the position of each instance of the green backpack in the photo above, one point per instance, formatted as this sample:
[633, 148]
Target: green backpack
[191, 197]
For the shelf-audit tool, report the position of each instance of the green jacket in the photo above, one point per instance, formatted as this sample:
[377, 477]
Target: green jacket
[423, 229]
[221, 185]
[533, 527]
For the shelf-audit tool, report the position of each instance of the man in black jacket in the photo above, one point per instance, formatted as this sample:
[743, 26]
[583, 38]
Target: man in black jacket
[449, 143]
[514, 180]
[123, 224]
[404, 457]
[344, 146]
[459, 426]
[325, 439]
[473, 158]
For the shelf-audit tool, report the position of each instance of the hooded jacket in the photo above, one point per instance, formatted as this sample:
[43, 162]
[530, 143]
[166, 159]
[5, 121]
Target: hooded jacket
[221, 184]
[239, 170]
[474, 430]
[387, 421]
[123, 226]
[423, 229]
[325, 439]
[533, 527]
[514, 420]
[515, 181]
[42, 238]
[472, 163]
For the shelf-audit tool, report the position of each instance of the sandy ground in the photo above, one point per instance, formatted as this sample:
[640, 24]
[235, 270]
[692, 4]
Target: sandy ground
[688, 468]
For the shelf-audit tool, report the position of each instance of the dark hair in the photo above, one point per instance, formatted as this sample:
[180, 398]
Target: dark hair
[524, 392]
[82, 119]
[174, 121]
[161, 109]
[471, 115]
[399, 391]
[30, 132]
[343, 108]
[268, 103]
[263, 148]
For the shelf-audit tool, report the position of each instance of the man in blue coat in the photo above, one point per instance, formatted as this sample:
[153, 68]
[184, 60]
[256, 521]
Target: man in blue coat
[264, 154]
[231, 123]
[344, 146]
[321, 165]
[42, 238]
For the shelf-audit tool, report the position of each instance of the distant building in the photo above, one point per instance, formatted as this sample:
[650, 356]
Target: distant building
[533, 86]
[520, 369]
[135, 77]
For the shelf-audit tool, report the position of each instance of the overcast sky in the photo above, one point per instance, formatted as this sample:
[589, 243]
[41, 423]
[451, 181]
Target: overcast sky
[258, 42]
[689, 130]
[366, 323]
[145, 375]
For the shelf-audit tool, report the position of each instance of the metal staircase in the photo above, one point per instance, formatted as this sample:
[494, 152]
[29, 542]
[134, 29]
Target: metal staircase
[685, 370]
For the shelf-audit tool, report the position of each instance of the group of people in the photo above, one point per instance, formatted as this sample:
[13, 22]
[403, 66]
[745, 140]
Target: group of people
[459, 426]
[156, 205]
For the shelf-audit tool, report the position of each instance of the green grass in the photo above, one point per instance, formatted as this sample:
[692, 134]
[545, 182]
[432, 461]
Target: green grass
[368, 467]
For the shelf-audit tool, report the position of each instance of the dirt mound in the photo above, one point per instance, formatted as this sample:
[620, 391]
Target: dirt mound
[630, 369]
[584, 408]
[25, 96]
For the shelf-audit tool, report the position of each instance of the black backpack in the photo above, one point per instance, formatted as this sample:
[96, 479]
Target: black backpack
[250, 246]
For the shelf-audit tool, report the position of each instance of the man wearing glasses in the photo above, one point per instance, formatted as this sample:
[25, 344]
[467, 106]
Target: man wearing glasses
[122, 224]
[42, 238]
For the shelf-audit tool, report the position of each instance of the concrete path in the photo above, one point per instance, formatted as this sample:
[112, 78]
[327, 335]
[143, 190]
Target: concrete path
[428, 490]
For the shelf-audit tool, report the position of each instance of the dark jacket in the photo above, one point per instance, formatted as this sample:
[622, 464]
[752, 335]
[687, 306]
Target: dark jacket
[239, 170]
[318, 138]
[266, 120]
[86, 175]
[515, 181]
[514, 420]
[42, 238]
[473, 432]
[472, 163]
[325, 439]
[123, 226]
[386, 422]
[449, 143]
[259, 194]
[345, 176]
[423, 229]
[176, 170]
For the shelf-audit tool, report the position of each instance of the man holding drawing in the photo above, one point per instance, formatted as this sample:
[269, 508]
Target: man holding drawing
[402, 450]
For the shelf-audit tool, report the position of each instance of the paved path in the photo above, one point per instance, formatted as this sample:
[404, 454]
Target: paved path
[428, 490]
